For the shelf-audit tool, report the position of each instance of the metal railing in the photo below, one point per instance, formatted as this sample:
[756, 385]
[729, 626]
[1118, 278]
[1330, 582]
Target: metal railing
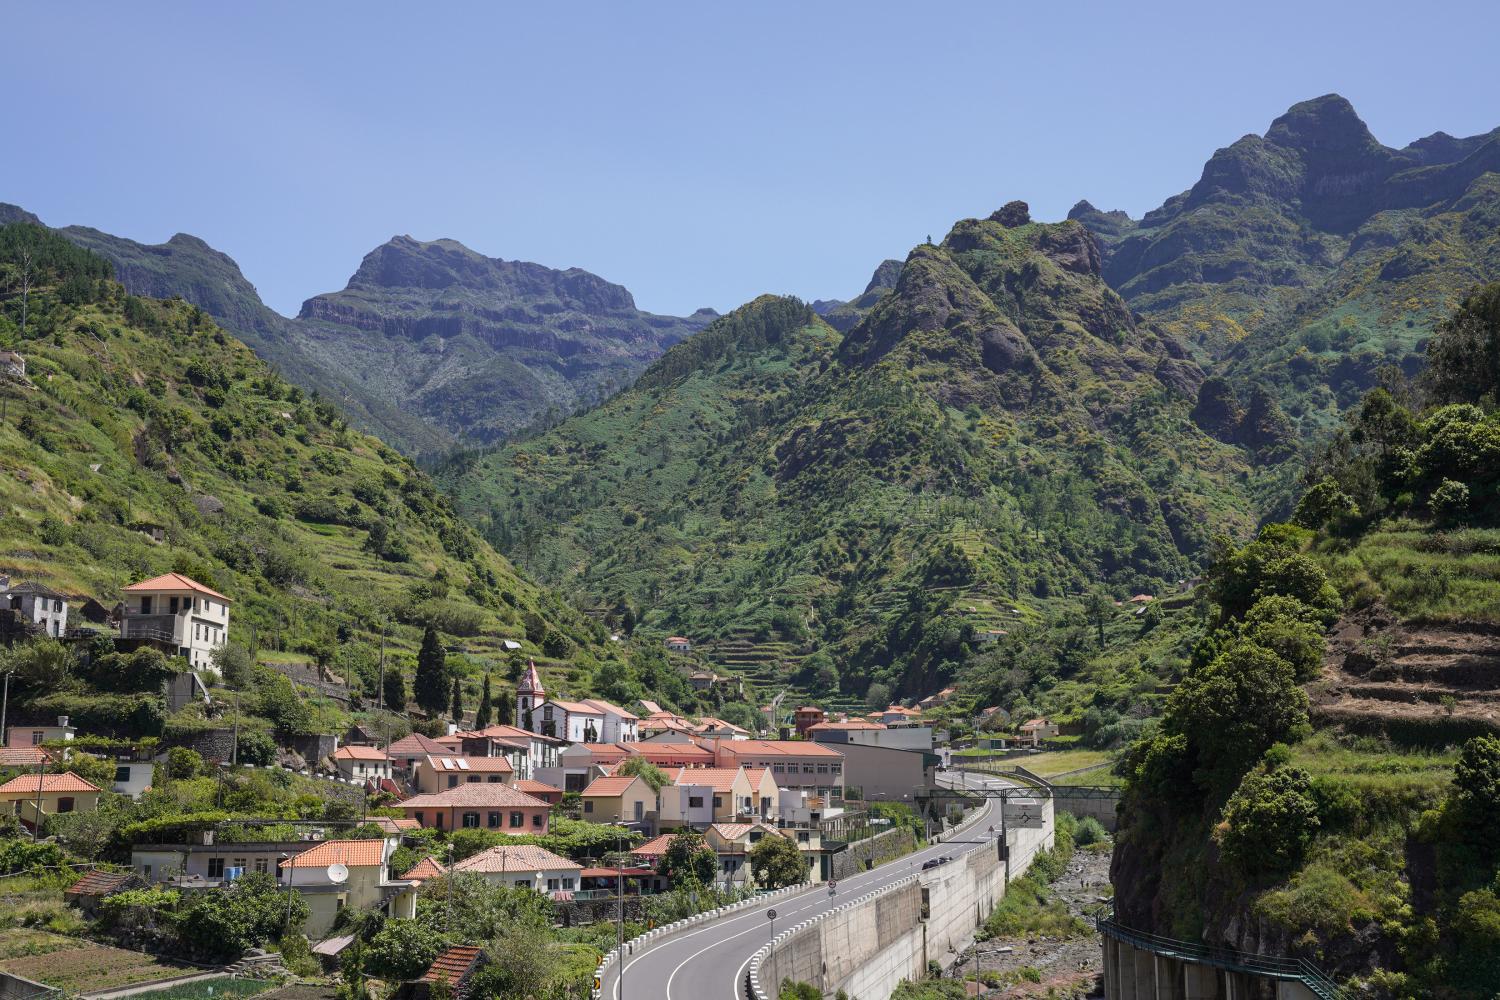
[1275, 967]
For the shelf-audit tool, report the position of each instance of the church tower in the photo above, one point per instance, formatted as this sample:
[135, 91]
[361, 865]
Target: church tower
[529, 694]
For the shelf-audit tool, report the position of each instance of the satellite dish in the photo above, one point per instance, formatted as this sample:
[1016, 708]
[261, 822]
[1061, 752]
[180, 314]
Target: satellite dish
[338, 874]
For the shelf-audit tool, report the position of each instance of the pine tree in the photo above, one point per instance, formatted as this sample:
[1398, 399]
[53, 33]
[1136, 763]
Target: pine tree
[457, 710]
[505, 710]
[395, 690]
[430, 687]
[482, 716]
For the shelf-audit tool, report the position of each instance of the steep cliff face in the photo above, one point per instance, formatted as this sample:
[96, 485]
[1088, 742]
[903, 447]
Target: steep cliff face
[1309, 257]
[482, 346]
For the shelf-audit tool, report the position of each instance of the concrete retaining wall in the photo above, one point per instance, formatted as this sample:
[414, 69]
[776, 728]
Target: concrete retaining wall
[1132, 973]
[868, 945]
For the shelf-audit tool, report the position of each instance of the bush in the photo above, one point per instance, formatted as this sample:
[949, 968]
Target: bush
[1268, 823]
[402, 950]
[1450, 501]
[220, 924]
[1089, 832]
[256, 750]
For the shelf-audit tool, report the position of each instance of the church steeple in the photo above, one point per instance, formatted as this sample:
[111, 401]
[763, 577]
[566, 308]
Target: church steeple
[529, 694]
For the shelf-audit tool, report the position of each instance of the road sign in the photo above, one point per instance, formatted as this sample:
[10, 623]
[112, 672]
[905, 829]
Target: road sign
[771, 914]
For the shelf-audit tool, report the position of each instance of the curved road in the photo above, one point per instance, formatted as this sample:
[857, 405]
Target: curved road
[710, 962]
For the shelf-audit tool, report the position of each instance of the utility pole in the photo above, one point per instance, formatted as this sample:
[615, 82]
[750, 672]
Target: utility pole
[448, 916]
[36, 819]
[5, 704]
[620, 913]
[234, 750]
[286, 863]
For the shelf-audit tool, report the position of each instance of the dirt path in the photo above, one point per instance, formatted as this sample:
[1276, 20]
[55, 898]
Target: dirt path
[1071, 967]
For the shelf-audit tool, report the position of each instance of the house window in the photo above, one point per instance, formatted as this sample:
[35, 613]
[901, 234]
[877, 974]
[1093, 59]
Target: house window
[536, 820]
[493, 820]
[65, 804]
[567, 883]
[57, 606]
[439, 819]
[494, 779]
[36, 739]
[171, 605]
[778, 768]
[803, 837]
[837, 768]
[718, 801]
[807, 769]
[517, 819]
[145, 605]
[261, 865]
[822, 768]
[552, 884]
[695, 802]
[452, 781]
[471, 820]
[418, 817]
[588, 805]
[215, 867]
[474, 779]
[523, 883]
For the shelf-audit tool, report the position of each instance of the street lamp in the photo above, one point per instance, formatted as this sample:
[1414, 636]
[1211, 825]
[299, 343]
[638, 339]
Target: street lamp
[286, 864]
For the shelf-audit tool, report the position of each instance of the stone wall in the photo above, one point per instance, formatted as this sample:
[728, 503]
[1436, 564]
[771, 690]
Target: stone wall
[213, 744]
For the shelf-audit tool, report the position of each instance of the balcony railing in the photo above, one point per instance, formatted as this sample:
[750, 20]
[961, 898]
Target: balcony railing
[159, 628]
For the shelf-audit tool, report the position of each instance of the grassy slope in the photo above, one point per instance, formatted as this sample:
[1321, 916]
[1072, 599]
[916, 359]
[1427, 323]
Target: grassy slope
[812, 484]
[261, 450]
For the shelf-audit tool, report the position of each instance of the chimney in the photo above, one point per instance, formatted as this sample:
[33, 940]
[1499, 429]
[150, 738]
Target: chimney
[62, 722]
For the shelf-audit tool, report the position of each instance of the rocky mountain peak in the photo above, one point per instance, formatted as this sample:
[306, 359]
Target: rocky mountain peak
[1324, 125]
[885, 276]
[1012, 214]
[10, 214]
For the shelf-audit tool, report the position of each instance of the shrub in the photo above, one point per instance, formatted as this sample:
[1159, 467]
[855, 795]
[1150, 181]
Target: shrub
[402, 950]
[1268, 823]
[1450, 501]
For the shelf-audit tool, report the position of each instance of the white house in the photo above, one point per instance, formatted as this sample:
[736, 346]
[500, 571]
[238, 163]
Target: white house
[12, 364]
[524, 866]
[679, 644]
[574, 721]
[620, 725]
[39, 605]
[177, 612]
[362, 763]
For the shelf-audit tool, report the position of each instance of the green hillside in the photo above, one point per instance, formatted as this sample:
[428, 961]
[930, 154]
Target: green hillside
[145, 439]
[1323, 780]
[996, 433]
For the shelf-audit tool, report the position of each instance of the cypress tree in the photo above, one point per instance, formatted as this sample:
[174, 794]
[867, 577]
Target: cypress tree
[505, 710]
[430, 687]
[395, 690]
[457, 709]
[482, 716]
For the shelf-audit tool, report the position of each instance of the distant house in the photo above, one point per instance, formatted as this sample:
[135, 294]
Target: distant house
[358, 735]
[34, 797]
[439, 772]
[453, 969]
[1036, 730]
[347, 874]
[990, 635]
[540, 790]
[40, 606]
[509, 645]
[479, 806]
[406, 753]
[806, 717]
[679, 644]
[1141, 599]
[619, 798]
[524, 866]
[361, 763]
[12, 364]
[179, 614]
[95, 887]
[425, 869]
[35, 736]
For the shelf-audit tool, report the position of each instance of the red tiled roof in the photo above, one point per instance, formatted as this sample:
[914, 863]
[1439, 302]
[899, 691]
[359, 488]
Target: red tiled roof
[502, 859]
[415, 745]
[99, 883]
[351, 853]
[359, 753]
[611, 708]
[22, 756]
[175, 581]
[477, 793]
[453, 964]
[785, 748]
[538, 788]
[608, 788]
[480, 765]
[655, 847]
[615, 872]
[720, 779]
[576, 707]
[390, 825]
[425, 869]
[824, 727]
[26, 784]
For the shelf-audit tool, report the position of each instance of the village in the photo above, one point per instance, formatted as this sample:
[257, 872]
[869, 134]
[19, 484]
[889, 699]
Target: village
[596, 809]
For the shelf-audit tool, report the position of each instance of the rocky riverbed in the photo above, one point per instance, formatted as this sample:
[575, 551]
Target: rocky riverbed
[1033, 965]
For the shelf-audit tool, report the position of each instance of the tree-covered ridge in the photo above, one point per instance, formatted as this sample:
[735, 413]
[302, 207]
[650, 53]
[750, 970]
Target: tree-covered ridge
[1331, 793]
[1311, 256]
[997, 431]
[145, 440]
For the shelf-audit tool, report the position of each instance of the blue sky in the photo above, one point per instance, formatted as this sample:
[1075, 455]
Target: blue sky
[698, 153]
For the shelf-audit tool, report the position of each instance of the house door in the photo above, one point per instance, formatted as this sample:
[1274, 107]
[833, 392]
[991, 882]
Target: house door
[640, 810]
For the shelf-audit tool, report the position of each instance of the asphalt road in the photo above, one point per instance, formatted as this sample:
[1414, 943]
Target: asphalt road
[710, 962]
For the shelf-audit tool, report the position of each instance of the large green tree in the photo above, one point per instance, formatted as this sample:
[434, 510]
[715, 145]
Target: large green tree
[776, 862]
[431, 689]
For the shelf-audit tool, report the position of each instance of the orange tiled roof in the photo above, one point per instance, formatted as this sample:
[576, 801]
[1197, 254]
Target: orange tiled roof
[785, 748]
[720, 779]
[452, 964]
[98, 883]
[455, 764]
[425, 869]
[608, 788]
[22, 756]
[478, 793]
[351, 853]
[415, 744]
[857, 724]
[359, 753]
[175, 581]
[654, 847]
[26, 784]
[503, 858]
